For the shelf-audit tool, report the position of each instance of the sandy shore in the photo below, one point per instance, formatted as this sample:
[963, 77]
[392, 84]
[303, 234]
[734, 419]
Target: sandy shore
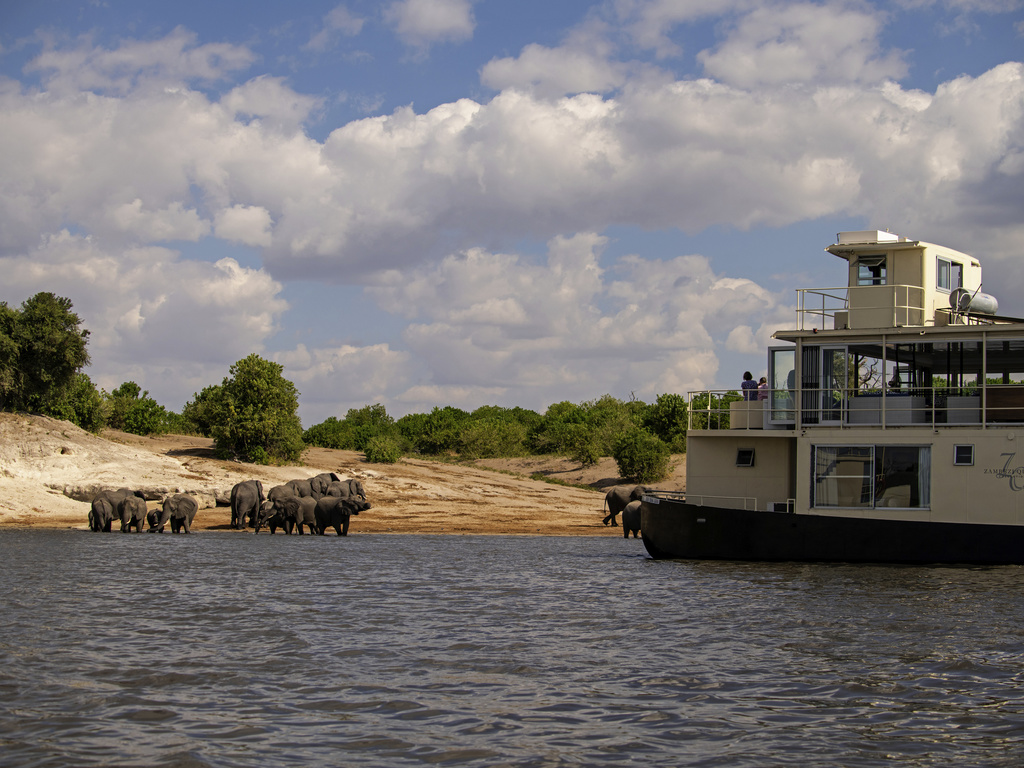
[49, 470]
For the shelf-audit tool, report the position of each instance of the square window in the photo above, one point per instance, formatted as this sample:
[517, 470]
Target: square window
[745, 457]
[963, 455]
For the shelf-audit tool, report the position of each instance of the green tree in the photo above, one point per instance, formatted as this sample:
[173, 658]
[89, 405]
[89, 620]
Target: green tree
[82, 404]
[133, 410]
[43, 348]
[256, 413]
[205, 409]
[666, 419]
[640, 456]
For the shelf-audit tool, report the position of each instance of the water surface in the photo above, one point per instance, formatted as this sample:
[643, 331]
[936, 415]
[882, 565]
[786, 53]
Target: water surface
[225, 649]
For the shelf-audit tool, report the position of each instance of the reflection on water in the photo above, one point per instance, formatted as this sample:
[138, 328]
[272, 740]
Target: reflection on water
[232, 650]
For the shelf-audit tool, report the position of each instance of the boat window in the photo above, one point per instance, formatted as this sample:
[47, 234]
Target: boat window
[963, 455]
[949, 275]
[745, 457]
[871, 270]
[872, 476]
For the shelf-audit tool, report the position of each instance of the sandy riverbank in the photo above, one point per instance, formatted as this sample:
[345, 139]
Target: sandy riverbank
[49, 468]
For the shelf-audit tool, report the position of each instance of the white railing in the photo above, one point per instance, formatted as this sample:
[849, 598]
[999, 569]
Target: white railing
[918, 406]
[860, 306]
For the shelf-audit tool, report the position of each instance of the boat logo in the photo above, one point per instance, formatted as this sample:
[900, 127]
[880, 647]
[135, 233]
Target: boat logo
[1014, 474]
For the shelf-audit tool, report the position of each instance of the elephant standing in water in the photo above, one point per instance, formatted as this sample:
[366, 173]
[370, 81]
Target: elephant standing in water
[335, 512]
[618, 497]
[246, 500]
[288, 512]
[180, 509]
[631, 519]
[132, 511]
[105, 508]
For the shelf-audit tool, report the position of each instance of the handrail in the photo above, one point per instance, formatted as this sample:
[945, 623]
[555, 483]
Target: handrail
[904, 304]
[978, 406]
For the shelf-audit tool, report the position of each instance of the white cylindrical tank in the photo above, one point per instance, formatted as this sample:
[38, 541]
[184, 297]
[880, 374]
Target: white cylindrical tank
[962, 300]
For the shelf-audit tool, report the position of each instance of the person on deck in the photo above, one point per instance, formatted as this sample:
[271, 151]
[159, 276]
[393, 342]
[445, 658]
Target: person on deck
[749, 386]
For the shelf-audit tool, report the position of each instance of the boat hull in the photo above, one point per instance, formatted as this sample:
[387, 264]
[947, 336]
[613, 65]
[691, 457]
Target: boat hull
[673, 529]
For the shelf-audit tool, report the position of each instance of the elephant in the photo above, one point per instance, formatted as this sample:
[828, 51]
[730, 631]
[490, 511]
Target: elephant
[279, 492]
[180, 509]
[335, 512]
[303, 488]
[319, 483]
[269, 516]
[346, 489]
[132, 512]
[246, 500]
[631, 519]
[289, 512]
[618, 497]
[104, 508]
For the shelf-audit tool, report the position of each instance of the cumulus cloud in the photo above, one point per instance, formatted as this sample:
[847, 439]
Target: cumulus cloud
[338, 22]
[493, 326]
[120, 156]
[249, 225]
[803, 43]
[583, 63]
[269, 99]
[171, 324]
[421, 23]
[173, 58]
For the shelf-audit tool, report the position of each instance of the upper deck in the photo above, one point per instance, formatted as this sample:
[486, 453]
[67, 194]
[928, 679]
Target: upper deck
[909, 341]
[893, 282]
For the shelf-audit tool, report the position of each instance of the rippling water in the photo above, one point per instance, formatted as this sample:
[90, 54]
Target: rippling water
[222, 649]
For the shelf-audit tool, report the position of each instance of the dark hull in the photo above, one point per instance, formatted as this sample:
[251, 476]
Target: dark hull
[674, 529]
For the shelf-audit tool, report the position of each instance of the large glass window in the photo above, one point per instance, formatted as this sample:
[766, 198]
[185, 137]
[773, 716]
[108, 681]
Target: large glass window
[872, 476]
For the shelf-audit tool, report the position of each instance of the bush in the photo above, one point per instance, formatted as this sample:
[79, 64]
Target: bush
[641, 457]
[133, 410]
[666, 419]
[254, 413]
[82, 405]
[492, 437]
[383, 450]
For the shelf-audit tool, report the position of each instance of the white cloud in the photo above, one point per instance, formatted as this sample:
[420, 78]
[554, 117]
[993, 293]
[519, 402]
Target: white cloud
[269, 99]
[249, 225]
[169, 324]
[421, 23]
[803, 43]
[499, 327]
[338, 21]
[174, 58]
[386, 202]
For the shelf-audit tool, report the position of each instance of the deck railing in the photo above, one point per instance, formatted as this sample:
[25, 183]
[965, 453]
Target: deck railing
[992, 405]
[860, 306]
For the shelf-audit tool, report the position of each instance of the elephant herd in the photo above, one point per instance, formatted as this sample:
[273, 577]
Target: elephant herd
[317, 503]
[624, 500]
[128, 506]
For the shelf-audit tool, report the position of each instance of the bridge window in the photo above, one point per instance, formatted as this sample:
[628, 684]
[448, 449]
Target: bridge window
[871, 270]
[950, 275]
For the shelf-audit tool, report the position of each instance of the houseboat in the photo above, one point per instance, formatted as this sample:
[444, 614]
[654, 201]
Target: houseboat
[890, 431]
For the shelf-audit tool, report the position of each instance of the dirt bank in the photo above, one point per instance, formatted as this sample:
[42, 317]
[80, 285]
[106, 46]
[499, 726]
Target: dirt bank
[49, 469]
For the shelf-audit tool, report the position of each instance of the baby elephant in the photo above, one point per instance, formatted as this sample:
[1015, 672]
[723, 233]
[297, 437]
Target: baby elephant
[335, 512]
[631, 519]
[179, 509]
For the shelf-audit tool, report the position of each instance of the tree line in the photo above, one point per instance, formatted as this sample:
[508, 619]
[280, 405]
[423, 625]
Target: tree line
[253, 413]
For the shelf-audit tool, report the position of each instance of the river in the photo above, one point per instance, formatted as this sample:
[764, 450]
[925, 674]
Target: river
[228, 649]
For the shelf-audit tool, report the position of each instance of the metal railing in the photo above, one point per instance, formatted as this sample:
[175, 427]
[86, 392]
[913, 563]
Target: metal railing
[861, 306]
[991, 405]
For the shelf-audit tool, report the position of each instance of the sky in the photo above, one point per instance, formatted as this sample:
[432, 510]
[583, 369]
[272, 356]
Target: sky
[423, 203]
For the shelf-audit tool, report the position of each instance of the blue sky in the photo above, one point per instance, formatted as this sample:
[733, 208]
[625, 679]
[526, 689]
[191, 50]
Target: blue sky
[444, 202]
